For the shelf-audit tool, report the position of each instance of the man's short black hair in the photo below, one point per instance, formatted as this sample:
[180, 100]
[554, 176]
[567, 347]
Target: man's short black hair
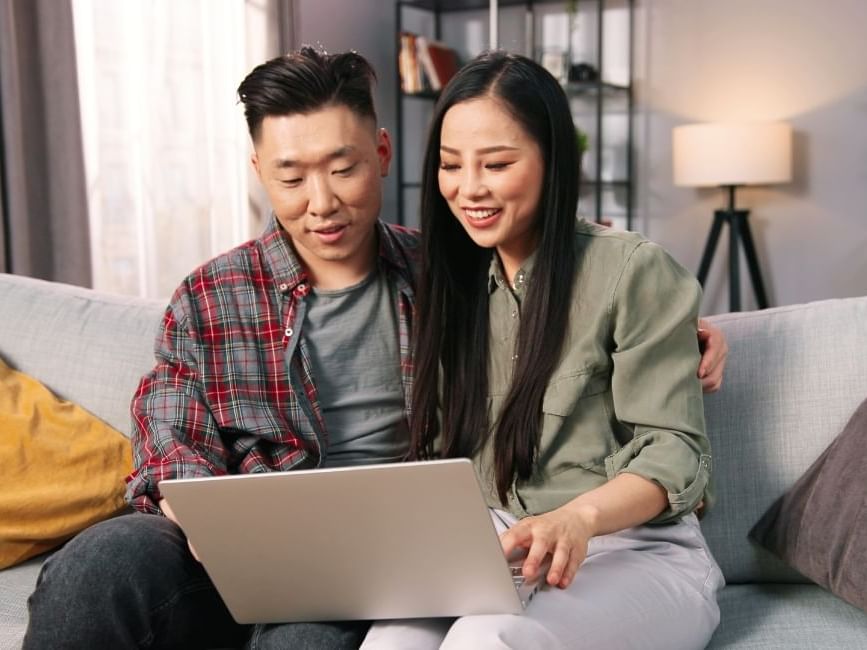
[305, 81]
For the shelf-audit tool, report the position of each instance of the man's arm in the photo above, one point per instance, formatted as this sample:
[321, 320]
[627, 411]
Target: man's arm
[714, 350]
[173, 431]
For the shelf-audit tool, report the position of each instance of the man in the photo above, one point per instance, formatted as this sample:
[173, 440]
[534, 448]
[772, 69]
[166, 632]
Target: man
[290, 351]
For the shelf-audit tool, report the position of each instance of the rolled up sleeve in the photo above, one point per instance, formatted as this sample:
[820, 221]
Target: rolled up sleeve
[655, 390]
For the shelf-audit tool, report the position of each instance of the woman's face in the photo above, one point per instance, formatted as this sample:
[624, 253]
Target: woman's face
[491, 174]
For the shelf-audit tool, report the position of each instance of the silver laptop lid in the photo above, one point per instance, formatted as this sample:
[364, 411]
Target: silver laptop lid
[370, 542]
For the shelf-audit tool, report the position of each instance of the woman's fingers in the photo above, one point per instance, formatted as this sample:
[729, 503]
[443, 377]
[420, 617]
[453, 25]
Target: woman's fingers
[560, 565]
[539, 549]
[544, 537]
[514, 538]
[576, 557]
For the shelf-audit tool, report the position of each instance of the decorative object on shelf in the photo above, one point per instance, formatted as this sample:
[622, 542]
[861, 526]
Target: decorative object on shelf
[556, 61]
[730, 155]
[583, 72]
[572, 17]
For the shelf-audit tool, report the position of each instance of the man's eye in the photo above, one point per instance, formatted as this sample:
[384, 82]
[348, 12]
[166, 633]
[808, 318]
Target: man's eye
[290, 182]
[345, 171]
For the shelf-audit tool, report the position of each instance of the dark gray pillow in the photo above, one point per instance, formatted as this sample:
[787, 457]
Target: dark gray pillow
[819, 527]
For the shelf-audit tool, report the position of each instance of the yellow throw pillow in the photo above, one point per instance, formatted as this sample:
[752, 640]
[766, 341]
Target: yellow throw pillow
[61, 468]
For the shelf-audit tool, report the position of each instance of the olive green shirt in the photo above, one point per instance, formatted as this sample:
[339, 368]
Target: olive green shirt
[625, 396]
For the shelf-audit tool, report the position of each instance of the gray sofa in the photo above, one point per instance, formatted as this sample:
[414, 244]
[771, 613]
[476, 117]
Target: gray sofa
[795, 376]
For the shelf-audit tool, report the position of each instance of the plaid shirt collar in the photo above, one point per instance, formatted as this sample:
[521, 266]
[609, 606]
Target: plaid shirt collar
[288, 272]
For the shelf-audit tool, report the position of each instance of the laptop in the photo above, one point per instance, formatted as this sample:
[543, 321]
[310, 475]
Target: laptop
[373, 542]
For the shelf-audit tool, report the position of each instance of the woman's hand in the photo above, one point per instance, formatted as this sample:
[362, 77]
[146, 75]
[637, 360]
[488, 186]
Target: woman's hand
[714, 350]
[626, 500]
[562, 534]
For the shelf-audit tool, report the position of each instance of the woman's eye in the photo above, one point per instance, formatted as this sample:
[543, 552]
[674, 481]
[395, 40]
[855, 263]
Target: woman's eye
[497, 166]
[448, 167]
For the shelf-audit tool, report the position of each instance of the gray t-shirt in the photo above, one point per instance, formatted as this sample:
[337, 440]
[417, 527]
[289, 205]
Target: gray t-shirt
[352, 337]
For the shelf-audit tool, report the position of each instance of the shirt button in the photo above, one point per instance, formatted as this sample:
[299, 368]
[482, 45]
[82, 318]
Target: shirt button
[284, 287]
[514, 313]
[289, 332]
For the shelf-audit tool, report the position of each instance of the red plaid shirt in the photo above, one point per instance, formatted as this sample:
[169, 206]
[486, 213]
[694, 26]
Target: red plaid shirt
[221, 399]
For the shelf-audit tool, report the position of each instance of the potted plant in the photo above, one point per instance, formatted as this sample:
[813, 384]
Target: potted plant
[582, 140]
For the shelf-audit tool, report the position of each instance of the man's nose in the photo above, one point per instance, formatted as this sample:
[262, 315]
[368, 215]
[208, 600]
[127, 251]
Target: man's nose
[322, 201]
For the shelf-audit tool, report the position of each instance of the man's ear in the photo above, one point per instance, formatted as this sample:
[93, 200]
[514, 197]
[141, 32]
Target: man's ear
[384, 151]
[254, 160]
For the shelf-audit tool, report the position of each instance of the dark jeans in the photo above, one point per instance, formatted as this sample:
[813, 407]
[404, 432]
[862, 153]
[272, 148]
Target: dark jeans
[131, 582]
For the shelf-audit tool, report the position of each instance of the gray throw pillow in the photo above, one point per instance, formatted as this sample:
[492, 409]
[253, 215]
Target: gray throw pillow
[819, 527]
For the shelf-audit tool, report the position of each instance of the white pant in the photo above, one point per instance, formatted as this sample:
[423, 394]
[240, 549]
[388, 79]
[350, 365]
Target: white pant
[648, 587]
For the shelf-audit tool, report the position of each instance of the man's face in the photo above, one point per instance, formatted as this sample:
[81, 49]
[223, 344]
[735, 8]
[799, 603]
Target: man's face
[322, 172]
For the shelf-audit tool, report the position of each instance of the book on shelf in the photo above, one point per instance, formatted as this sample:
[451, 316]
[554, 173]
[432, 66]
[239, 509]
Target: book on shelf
[407, 62]
[439, 61]
[424, 65]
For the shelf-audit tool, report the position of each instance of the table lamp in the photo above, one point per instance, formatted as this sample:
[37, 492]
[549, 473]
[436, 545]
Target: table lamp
[729, 155]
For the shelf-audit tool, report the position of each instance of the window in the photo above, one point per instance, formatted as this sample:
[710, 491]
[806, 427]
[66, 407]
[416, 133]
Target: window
[165, 142]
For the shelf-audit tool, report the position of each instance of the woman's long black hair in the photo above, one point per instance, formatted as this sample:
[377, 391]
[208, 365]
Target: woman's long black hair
[450, 392]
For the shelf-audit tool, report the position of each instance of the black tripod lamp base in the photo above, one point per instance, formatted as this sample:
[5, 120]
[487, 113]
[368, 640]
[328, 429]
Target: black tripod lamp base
[739, 234]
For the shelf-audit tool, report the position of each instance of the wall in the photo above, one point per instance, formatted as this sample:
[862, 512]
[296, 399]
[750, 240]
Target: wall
[368, 27]
[698, 60]
[801, 61]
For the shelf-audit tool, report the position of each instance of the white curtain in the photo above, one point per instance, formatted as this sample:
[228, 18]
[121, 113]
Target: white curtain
[166, 148]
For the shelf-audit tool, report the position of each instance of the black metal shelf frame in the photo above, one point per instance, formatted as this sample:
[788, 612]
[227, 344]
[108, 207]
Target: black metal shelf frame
[599, 90]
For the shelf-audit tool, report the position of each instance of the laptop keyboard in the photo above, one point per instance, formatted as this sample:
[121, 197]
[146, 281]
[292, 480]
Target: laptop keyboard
[525, 591]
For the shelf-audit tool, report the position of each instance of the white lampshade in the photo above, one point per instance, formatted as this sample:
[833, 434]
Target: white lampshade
[732, 154]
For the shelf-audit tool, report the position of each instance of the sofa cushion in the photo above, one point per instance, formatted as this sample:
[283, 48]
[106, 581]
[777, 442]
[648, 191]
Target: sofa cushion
[63, 468]
[794, 377]
[819, 527]
[787, 617]
[16, 585]
[87, 347]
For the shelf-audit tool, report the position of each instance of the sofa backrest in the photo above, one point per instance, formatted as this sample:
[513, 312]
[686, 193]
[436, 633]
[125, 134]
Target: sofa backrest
[795, 376]
[89, 348]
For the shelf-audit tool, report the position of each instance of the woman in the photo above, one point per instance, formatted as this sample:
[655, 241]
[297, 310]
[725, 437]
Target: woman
[560, 357]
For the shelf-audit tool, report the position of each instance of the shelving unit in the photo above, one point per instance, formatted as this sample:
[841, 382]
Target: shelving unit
[598, 94]
[605, 195]
[404, 216]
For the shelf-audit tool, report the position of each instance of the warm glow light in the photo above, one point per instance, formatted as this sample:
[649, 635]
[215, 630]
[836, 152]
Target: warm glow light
[732, 154]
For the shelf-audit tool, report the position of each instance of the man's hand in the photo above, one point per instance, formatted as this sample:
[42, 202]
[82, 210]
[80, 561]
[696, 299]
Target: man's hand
[167, 511]
[562, 534]
[714, 350]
